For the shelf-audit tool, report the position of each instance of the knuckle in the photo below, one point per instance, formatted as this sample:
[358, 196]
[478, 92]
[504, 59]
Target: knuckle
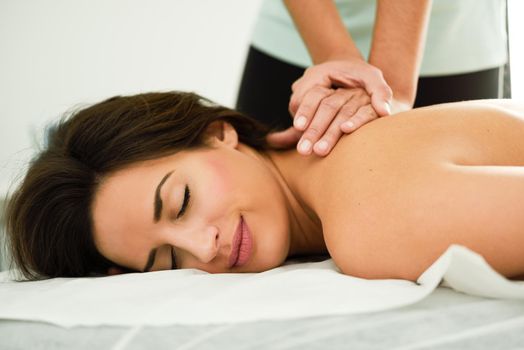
[375, 71]
[317, 89]
[357, 119]
[332, 135]
[370, 115]
[361, 97]
[322, 90]
[306, 108]
[347, 111]
[293, 103]
[296, 84]
[388, 92]
[330, 104]
[360, 93]
[359, 116]
[367, 114]
[369, 109]
[313, 132]
[342, 94]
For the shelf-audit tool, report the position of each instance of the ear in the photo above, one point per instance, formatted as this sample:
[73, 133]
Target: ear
[221, 133]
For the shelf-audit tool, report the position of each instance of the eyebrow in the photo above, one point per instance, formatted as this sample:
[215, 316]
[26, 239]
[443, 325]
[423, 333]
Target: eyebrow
[156, 216]
[158, 200]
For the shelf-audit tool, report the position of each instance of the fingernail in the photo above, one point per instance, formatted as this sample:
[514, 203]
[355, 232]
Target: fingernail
[300, 122]
[322, 145]
[349, 124]
[305, 146]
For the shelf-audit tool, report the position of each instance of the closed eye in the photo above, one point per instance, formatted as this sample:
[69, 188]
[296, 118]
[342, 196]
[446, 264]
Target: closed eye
[185, 203]
[187, 197]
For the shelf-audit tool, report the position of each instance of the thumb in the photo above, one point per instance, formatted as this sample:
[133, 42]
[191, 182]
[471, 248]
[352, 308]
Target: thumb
[341, 79]
[284, 139]
[381, 94]
[375, 85]
[381, 104]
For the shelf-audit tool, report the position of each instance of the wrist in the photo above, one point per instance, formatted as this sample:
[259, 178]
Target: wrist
[349, 54]
[405, 96]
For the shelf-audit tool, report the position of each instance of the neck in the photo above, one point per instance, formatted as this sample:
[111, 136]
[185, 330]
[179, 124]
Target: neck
[305, 227]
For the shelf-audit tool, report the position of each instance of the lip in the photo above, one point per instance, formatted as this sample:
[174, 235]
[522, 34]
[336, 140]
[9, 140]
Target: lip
[241, 246]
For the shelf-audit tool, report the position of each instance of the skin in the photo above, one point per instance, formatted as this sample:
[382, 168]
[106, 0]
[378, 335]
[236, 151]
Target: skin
[226, 179]
[323, 114]
[400, 191]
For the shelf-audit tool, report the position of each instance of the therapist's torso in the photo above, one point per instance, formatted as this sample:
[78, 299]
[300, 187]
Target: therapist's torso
[463, 35]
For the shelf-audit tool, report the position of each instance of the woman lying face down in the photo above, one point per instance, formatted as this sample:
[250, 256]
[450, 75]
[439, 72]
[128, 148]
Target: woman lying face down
[168, 180]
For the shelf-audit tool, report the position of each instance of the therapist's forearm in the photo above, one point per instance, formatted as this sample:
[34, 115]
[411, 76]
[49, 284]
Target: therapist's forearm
[398, 44]
[322, 30]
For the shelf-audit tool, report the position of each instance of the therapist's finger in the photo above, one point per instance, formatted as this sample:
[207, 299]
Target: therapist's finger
[284, 139]
[357, 98]
[303, 86]
[309, 105]
[322, 118]
[373, 81]
[330, 138]
[364, 115]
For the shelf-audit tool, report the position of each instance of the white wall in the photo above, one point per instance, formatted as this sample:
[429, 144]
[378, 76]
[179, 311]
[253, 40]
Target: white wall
[56, 54]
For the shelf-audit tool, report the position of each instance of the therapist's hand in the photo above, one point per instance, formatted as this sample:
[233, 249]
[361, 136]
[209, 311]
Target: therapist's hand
[337, 111]
[343, 73]
[322, 112]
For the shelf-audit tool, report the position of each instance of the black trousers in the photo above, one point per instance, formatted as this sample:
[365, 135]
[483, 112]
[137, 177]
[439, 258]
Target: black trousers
[266, 87]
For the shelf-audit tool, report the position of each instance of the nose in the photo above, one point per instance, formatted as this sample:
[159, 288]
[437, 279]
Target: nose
[202, 242]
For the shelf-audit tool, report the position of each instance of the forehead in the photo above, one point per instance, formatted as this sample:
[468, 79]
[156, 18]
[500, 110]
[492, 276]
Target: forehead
[132, 182]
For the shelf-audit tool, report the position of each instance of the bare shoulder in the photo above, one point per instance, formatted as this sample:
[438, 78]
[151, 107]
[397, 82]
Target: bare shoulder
[389, 184]
[506, 105]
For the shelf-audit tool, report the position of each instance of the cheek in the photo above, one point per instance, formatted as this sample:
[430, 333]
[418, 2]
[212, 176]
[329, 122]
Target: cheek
[220, 178]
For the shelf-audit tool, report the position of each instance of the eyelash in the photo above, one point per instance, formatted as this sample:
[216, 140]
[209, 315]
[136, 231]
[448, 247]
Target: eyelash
[185, 203]
[187, 197]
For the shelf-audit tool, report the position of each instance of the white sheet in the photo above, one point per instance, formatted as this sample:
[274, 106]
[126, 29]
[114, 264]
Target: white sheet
[191, 297]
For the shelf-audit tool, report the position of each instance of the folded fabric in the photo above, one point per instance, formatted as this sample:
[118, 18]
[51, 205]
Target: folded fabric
[194, 297]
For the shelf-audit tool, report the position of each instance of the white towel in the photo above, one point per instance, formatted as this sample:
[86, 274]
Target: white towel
[193, 297]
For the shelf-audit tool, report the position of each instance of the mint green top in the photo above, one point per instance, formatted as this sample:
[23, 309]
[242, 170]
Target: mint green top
[463, 35]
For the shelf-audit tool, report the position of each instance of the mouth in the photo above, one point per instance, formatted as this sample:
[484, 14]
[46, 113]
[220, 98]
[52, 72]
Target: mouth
[242, 245]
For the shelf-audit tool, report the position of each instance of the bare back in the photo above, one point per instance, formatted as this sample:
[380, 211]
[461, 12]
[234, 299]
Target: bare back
[403, 188]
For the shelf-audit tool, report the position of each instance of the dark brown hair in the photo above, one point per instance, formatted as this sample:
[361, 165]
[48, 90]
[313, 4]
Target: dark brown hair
[49, 220]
